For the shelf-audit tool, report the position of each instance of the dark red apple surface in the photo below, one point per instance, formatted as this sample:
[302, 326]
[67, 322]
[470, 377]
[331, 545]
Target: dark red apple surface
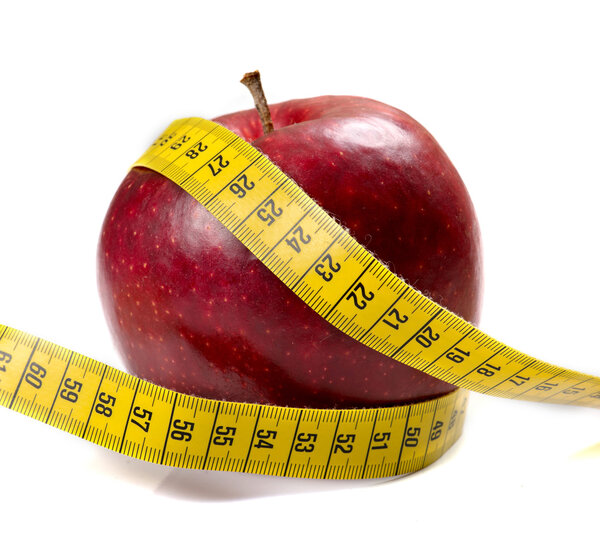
[193, 310]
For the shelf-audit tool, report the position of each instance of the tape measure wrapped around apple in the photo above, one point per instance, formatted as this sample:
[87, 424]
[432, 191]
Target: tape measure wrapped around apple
[192, 309]
[224, 282]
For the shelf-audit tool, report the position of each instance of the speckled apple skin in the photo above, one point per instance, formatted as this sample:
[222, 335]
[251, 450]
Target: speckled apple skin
[193, 310]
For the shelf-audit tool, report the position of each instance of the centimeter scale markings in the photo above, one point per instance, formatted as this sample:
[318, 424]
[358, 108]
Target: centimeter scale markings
[126, 414]
[317, 259]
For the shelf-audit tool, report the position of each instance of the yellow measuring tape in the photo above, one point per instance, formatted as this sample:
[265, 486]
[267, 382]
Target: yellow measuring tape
[361, 297]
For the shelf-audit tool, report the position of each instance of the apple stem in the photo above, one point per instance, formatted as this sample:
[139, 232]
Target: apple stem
[252, 81]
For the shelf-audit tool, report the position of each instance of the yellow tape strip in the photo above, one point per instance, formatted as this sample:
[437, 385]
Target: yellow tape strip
[126, 414]
[363, 299]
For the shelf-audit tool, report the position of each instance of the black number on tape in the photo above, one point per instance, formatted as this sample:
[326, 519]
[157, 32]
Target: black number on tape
[217, 164]
[360, 301]
[144, 414]
[71, 390]
[105, 404]
[180, 142]
[398, 320]
[303, 238]
[35, 375]
[182, 430]
[224, 436]
[241, 186]
[344, 443]
[327, 261]
[269, 212]
[519, 380]
[4, 357]
[436, 431]
[457, 355]
[195, 151]
[380, 440]
[306, 442]
[412, 437]
[263, 437]
[488, 370]
[427, 337]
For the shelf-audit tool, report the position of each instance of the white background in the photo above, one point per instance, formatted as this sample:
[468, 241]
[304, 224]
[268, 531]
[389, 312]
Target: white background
[509, 90]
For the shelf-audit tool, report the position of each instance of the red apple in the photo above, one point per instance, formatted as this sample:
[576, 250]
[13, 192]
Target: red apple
[193, 310]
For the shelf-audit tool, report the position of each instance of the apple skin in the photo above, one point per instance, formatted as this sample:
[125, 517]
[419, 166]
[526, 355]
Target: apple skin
[193, 310]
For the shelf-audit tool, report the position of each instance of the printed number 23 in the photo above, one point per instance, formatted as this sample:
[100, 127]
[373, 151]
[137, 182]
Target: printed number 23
[327, 261]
